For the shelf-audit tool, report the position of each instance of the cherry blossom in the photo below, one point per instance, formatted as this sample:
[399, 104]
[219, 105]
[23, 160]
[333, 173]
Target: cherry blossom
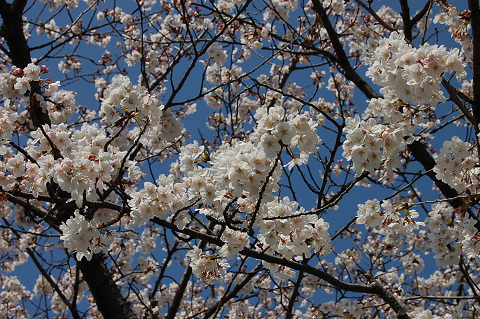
[260, 159]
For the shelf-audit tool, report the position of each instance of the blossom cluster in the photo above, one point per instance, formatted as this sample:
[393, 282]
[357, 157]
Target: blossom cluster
[234, 242]
[84, 159]
[451, 234]
[290, 237]
[158, 200]
[210, 268]
[60, 104]
[85, 237]
[12, 297]
[8, 120]
[71, 4]
[415, 73]
[217, 74]
[235, 176]
[343, 309]
[280, 9]
[287, 230]
[456, 165]
[275, 129]
[216, 53]
[396, 216]
[458, 25]
[234, 170]
[371, 146]
[124, 102]
[123, 99]
[7, 86]
[31, 73]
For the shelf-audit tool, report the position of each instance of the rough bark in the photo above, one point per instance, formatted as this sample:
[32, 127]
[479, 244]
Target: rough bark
[12, 32]
[475, 23]
[107, 296]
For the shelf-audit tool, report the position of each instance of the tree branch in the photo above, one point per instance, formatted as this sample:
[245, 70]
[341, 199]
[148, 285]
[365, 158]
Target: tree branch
[475, 23]
[373, 288]
[232, 293]
[106, 293]
[342, 60]
[418, 149]
[19, 52]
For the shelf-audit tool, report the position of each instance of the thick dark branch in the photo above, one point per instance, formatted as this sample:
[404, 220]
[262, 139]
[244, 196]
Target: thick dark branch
[19, 52]
[419, 151]
[38, 211]
[421, 154]
[421, 13]
[407, 22]
[172, 311]
[294, 296]
[95, 273]
[373, 288]
[12, 32]
[342, 60]
[475, 22]
[107, 296]
[455, 98]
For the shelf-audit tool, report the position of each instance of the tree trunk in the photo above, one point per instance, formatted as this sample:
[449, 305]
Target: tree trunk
[107, 295]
